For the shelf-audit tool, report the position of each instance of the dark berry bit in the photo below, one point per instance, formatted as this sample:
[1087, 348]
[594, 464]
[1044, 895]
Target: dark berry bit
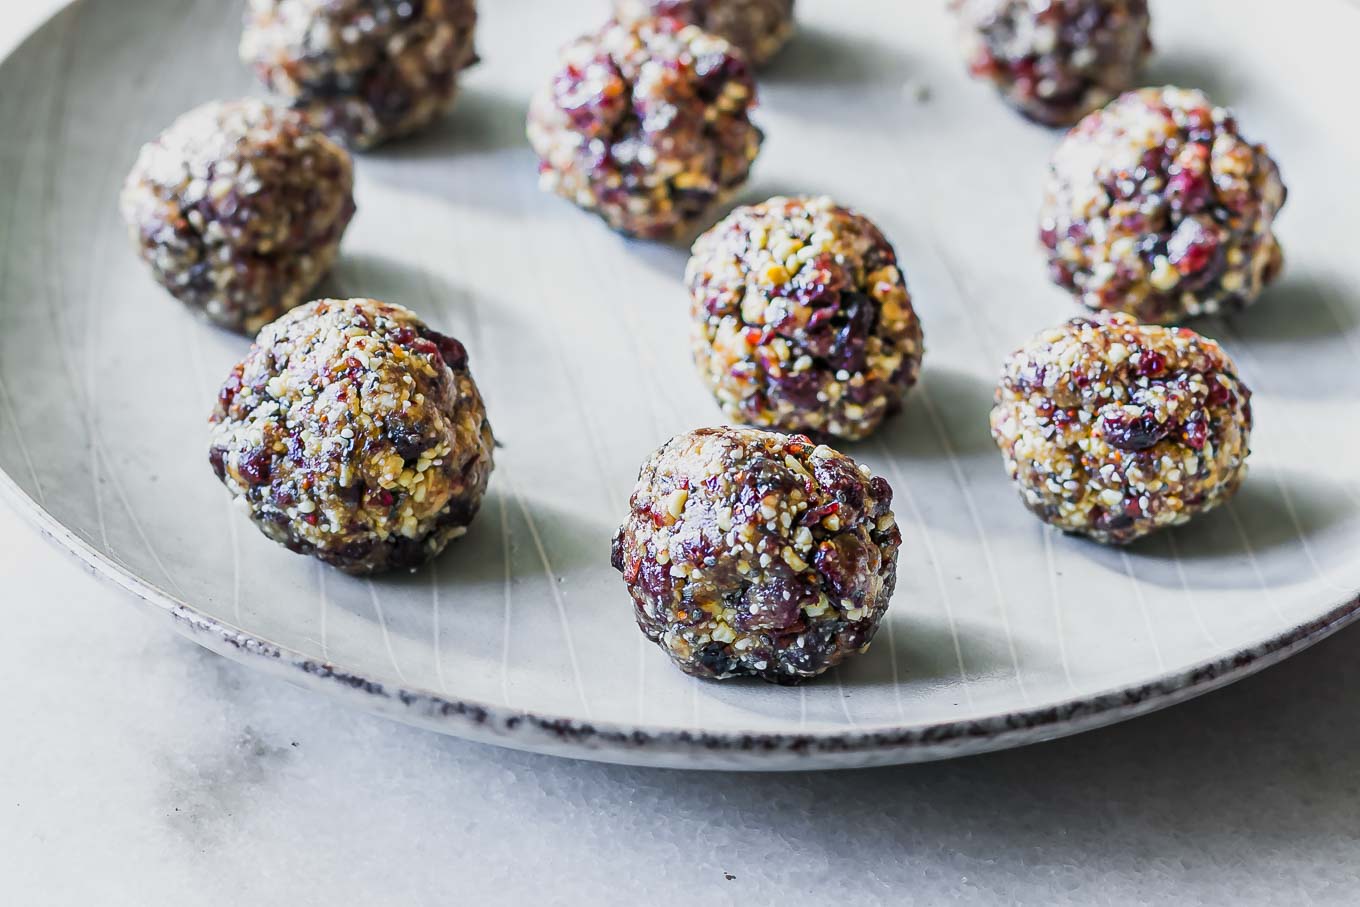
[254, 466]
[1128, 432]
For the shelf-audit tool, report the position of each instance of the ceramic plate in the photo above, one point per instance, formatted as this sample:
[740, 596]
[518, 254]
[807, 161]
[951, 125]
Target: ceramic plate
[1000, 633]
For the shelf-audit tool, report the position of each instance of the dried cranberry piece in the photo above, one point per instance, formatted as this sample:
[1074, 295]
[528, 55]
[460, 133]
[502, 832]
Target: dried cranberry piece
[450, 350]
[1193, 247]
[1219, 393]
[715, 659]
[840, 564]
[1113, 521]
[773, 605]
[1195, 434]
[1150, 363]
[1127, 432]
[230, 389]
[1189, 192]
[799, 388]
[715, 71]
[591, 112]
[882, 493]
[814, 515]
[254, 466]
[356, 550]
[844, 484]
[409, 440]
[848, 350]
[1048, 234]
[217, 457]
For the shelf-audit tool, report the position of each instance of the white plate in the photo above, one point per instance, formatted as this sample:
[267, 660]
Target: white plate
[1000, 633]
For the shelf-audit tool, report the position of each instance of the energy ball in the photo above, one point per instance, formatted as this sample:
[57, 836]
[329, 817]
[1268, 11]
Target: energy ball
[1157, 206]
[366, 71]
[238, 208]
[646, 124]
[1055, 60]
[1112, 429]
[354, 433]
[759, 27]
[801, 320]
[752, 553]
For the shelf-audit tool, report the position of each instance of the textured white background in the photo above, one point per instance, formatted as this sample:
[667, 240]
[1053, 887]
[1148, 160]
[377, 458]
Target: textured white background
[138, 769]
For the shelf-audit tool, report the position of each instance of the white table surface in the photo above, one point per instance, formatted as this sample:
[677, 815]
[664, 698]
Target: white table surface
[136, 768]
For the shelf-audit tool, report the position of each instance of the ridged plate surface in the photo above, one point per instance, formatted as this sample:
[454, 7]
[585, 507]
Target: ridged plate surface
[1000, 632]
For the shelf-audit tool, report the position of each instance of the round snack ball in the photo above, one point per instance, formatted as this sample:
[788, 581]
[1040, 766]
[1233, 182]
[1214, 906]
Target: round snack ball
[647, 124]
[364, 70]
[1112, 429]
[239, 208]
[748, 552]
[759, 27]
[1156, 206]
[801, 318]
[354, 433]
[1055, 60]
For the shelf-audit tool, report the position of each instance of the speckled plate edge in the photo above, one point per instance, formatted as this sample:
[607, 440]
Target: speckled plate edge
[670, 747]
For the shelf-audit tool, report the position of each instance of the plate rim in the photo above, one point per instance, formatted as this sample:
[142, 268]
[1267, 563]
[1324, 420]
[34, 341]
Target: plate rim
[671, 746]
[659, 745]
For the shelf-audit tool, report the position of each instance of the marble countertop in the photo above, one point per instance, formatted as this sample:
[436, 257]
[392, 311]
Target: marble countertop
[140, 769]
[127, 746]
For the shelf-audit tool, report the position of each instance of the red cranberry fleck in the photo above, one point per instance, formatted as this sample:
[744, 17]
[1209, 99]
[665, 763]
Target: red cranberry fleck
[230, 389]
[1131, 433]
[1189, 192]
[1192, 247]
[450, 350]
[1195, 434]
[217, 457]
[254, 466]
[1150, 363]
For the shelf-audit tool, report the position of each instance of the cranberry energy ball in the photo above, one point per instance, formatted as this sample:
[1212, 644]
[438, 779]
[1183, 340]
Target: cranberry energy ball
[239, 208]
[647, 124]
[365, 70]
[1055, 60]
[354, 433]
[748, 552]
[759, 27]
[1112, 429]
[801, 318]
[1157, 206]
